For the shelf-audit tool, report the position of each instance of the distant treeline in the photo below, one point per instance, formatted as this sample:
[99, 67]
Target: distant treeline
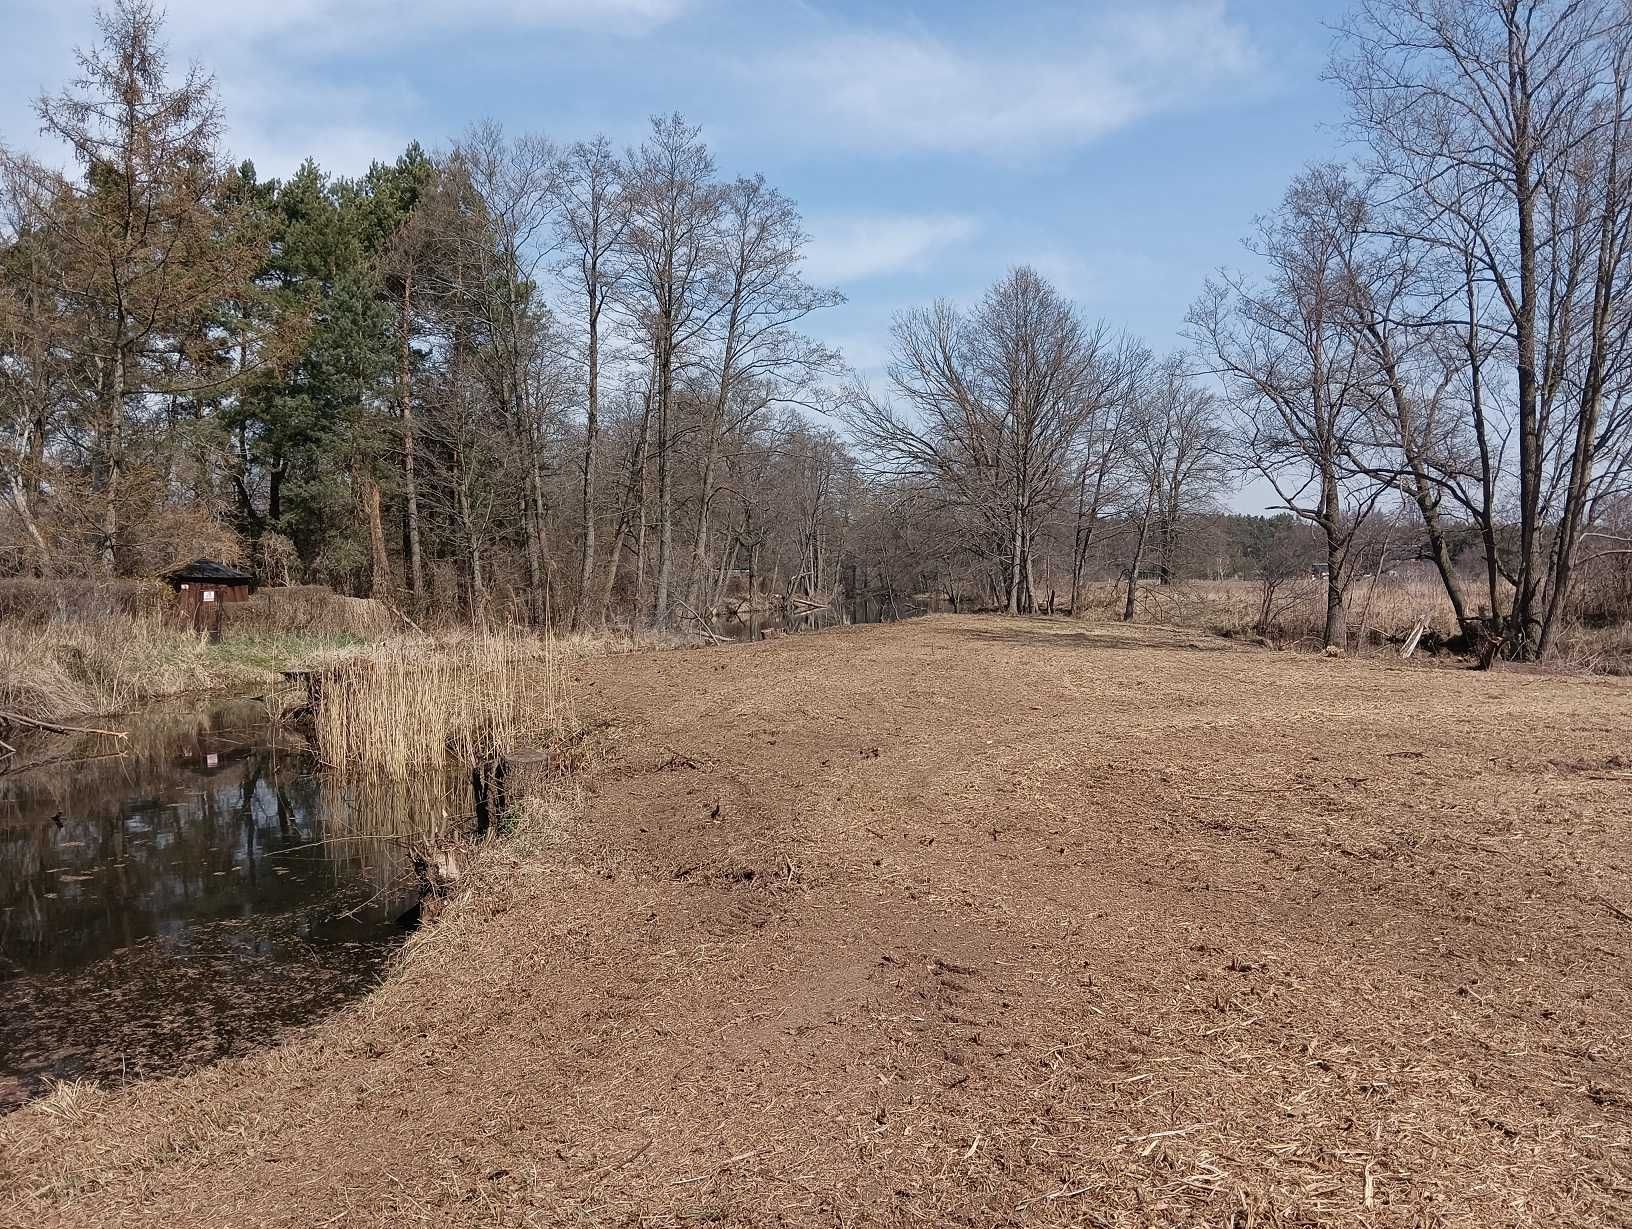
[532, 380]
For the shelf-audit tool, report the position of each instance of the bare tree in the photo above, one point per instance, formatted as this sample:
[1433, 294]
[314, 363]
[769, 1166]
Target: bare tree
[1300, 386]
[759, 359]
[508, 247]
[1500, 127]
[1175, 452]
[1101, 462]
[671, 249]
[992, 408]
[593, 215]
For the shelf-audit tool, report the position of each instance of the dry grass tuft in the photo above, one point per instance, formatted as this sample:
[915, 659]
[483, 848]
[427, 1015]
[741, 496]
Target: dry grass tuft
[71, 1102]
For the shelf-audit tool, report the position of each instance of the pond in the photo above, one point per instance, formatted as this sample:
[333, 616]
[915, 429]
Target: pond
[751, 625]
[186, 895]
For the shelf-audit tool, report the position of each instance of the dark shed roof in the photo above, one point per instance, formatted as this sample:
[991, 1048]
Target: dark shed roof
[209, 569]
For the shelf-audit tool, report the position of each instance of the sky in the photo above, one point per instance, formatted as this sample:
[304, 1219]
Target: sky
[1122, 149]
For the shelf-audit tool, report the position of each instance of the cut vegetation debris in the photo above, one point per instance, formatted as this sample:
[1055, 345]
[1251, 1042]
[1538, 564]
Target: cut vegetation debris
[973, 921]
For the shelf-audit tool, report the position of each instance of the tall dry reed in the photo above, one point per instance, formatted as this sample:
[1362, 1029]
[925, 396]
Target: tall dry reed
[412, 706]
[108, 663]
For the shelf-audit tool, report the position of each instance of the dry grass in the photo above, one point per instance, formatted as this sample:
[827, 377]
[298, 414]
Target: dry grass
[109, 664]
[1376, 614]
[87, 649]
[421, 704]
[1157, 932]
[310, 610]
[1379, 615]
[70, 599]
[69, 1102]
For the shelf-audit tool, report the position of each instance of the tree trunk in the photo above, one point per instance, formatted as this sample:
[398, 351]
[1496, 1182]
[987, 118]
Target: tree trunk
[17, 497]
[535, 562]
[1523, 617]
[632, 506]
[665, 495]
[1016, 561]
[645, 519]
[368, 494]
[586, 548]
[111, 446]
[473, 559]
[405, 411]
[704, 498]
[1133, 568]
[1336, 633]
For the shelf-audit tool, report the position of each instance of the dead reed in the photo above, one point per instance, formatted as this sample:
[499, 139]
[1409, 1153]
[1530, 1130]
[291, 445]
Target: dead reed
[109, 663]
[413, 706]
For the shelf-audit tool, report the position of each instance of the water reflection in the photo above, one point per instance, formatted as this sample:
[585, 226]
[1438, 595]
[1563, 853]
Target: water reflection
[190, 896]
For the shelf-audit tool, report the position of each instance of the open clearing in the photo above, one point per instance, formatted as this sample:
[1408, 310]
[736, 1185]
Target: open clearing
[971, 921]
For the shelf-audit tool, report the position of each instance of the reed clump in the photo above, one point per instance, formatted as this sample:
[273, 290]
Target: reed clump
[414, 706]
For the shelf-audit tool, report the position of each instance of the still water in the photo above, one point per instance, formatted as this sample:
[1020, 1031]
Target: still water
[186, 895]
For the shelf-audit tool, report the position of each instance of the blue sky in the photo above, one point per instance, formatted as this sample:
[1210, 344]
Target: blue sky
[1121, 148]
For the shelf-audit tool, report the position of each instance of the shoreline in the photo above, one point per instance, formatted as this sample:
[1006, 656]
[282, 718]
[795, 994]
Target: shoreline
[942, 918]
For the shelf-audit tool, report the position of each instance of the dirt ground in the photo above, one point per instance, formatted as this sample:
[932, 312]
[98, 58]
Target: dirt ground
[971, 921]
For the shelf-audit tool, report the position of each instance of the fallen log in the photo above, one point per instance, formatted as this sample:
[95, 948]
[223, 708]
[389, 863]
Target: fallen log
[1413, 640]
[35, 723]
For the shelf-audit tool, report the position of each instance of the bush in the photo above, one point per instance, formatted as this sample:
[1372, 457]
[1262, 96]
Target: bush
[34, 603]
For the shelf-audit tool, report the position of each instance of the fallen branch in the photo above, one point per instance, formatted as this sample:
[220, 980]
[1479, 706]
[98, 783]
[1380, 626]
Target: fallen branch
[1618, 912]
[1412, 640]
[702, 623]
[54, 728]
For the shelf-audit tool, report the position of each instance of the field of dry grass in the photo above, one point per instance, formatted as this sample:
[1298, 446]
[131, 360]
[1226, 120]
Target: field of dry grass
[969, 921]
[1381, 614]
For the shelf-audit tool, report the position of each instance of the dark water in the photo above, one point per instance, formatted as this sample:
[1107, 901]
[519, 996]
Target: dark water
[751, 625]
[184, 896]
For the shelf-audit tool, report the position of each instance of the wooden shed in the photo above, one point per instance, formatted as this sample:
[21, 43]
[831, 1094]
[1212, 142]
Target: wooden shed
[204, 586]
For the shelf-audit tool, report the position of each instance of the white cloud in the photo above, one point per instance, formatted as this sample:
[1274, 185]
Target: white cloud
[360, 24]
[885, 91]
[272, 62]
[853, 248]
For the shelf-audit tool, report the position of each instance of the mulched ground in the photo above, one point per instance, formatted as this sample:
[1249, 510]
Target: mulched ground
[970, 921]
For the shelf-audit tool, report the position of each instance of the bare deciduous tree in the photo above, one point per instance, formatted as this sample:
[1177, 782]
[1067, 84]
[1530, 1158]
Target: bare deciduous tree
[1300, 387]
[593, 215]
[671, 249]
[1500, 128]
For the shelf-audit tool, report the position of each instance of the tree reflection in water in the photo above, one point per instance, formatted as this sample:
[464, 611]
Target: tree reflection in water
[192, 895]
